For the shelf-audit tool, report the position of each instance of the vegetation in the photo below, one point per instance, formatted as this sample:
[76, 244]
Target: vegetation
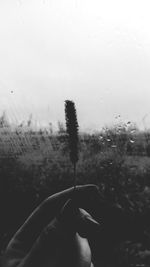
[35, 164]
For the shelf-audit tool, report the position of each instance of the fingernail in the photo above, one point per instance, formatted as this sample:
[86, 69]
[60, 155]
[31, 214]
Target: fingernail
[91, 221]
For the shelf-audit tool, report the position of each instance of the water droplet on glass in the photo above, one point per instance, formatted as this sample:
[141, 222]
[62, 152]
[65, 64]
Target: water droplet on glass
[113, 146]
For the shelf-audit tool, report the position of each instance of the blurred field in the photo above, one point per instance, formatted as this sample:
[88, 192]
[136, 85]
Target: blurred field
[35, 164]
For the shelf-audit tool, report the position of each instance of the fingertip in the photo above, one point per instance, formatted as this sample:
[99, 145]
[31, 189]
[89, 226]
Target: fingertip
[86, 224]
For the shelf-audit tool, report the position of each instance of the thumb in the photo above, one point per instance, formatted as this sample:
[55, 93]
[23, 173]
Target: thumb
[77, 222]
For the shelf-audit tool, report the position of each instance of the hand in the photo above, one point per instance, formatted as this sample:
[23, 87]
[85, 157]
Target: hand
[55, 236]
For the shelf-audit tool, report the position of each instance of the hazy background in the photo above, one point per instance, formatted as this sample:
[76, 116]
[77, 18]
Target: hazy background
[96, 53]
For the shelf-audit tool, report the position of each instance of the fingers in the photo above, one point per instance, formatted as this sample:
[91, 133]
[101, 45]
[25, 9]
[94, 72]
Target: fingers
[56, 252]
[50, 249]
[41, 217]
[60, 245]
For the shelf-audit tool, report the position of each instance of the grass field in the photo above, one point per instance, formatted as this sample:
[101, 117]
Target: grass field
[35, 164]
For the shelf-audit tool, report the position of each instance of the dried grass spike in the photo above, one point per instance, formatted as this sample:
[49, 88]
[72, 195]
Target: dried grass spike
[72, 129]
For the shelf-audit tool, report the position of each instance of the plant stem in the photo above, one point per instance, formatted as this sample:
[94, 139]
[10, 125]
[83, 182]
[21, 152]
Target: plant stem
[74, 178]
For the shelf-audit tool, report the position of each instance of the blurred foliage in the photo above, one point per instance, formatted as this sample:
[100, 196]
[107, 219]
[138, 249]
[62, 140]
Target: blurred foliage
[35, 164]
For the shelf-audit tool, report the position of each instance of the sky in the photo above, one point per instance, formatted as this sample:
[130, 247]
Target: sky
[96, 53]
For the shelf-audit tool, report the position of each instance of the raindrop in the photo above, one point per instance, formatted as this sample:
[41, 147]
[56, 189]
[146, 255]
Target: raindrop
[132, 141]
[113, 146]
